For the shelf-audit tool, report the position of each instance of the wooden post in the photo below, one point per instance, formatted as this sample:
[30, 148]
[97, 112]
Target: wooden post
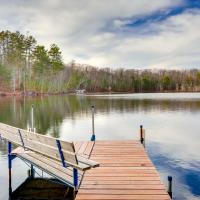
[143, 132]
[141, 139]
[170, 186]
[93, 138]
[142, 135]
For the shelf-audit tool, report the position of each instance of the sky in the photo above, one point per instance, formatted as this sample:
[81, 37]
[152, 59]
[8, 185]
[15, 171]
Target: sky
[112, 33]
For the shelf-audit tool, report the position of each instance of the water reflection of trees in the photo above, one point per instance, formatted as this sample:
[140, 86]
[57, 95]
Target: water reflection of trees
[3, 148]
[50, 111]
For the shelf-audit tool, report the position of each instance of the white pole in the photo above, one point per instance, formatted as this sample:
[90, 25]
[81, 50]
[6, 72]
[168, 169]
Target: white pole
[14, 82]
[32, 119]
[93, 120]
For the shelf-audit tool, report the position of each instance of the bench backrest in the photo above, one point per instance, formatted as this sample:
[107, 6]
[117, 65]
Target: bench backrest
[42, 144]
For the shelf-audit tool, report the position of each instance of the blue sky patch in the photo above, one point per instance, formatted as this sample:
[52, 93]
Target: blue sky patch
[163, 14]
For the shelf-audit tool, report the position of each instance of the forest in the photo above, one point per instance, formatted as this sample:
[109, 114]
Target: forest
[27, 67]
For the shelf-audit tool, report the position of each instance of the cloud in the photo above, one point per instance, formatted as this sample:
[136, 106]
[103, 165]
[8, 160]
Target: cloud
[100, 32]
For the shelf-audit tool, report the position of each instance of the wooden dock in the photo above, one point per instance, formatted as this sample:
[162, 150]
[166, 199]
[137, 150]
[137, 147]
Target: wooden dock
[125, 172]
[97, 170]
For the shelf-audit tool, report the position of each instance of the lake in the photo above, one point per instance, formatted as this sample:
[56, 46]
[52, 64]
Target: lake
[171, 121]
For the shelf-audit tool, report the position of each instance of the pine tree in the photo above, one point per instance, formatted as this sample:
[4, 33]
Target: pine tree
[41, 62]
[55, 58]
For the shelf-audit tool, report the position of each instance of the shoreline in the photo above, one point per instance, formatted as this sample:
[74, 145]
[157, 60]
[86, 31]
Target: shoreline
[37, 94]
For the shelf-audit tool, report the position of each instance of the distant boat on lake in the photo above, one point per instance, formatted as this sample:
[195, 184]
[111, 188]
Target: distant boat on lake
[78, 91]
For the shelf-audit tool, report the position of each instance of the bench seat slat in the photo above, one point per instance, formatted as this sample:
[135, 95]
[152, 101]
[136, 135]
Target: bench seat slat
[87, 161]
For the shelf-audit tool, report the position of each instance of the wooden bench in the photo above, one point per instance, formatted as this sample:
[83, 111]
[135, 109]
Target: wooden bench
[54, 156]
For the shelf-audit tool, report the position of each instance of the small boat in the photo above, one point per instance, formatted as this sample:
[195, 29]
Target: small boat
[80, 91]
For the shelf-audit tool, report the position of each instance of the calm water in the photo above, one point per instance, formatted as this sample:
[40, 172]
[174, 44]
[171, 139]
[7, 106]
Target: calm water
[172, 123]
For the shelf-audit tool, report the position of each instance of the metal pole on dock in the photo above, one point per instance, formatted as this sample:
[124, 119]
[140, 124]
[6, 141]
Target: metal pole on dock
[10, 167]
[32, 172]
[32, 118]
[93, 132]
[170, 186]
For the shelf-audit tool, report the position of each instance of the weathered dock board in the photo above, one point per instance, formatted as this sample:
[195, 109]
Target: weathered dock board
[125, 172]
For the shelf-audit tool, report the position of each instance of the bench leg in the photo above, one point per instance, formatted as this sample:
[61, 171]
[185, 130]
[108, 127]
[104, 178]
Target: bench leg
[75, 175]
[32, 172]
[10, 167]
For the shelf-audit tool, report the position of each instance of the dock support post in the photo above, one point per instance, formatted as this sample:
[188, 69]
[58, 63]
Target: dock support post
[142, 135]
[32, 130]
[93, 138]
[32, 172]
[10, 167]
[141, 138]
[75, 175]
[170, 186]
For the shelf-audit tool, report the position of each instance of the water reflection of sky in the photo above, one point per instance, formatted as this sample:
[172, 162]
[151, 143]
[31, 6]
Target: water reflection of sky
[174, 96]
[173, 141]
[171, 122]
[186, 176]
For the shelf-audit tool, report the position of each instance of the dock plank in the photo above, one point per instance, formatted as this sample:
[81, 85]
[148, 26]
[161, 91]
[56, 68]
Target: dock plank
[123, 197]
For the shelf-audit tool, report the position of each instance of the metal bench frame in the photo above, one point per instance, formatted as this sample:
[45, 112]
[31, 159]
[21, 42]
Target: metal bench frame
[31, 142]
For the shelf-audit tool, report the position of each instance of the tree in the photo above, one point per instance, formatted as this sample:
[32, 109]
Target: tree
[198, 78]
[30, 44]
[55, 58]
[41, 62]
[166, 82]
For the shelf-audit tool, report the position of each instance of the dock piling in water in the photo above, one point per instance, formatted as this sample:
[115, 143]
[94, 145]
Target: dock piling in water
[170, 186]
[142, 135]
[93, 132]
[32, 172]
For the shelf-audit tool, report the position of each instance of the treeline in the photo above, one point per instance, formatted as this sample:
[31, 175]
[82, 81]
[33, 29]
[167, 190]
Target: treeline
[26, 66]
[131, 80]
[22, 60]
